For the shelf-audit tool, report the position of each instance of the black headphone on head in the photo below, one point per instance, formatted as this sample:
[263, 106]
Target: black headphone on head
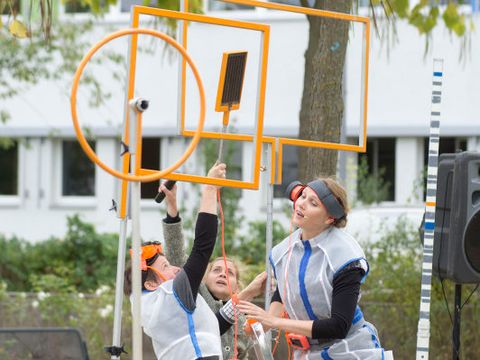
[331, 203]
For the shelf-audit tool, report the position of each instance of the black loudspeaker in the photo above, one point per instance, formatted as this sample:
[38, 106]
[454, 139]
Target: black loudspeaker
[456, 251]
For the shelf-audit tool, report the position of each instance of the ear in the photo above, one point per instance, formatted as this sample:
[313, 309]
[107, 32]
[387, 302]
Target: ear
[330, 220]
[151, 285]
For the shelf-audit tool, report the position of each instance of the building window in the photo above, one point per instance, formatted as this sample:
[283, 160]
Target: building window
[447, 145]
[376, 176]
[150, 160]
[78, 172]
[289, 172]
[9, 170]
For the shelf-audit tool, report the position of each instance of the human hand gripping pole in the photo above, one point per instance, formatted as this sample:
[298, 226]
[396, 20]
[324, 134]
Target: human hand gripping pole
[208, 203]
[169, 184]
[170, 193]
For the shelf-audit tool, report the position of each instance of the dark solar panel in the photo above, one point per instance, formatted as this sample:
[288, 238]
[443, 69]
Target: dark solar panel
[232, 86]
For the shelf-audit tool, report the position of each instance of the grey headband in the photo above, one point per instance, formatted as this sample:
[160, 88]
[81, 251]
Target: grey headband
[327, 198]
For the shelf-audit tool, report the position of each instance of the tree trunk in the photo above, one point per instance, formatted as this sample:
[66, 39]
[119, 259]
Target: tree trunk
[322, 107]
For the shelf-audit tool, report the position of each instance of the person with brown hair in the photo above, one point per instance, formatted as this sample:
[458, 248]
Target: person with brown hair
[319, 269]
[214, 288]
[174, 315]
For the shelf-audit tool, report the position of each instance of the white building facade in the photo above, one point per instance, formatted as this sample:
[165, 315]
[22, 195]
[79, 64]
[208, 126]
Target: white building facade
[45, 176]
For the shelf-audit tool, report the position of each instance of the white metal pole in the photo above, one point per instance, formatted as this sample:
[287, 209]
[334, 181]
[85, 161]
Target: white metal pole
[117, 319]
[269, 232]
[269, 225]
[137, 352]
[117, 315]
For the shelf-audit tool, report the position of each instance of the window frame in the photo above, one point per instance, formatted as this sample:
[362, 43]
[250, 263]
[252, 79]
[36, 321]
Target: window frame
[376, 167]
[148, 202]
[16, 200]
[64, 201]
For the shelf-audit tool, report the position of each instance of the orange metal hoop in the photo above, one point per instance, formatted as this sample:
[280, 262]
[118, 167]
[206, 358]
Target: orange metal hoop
[73, 106]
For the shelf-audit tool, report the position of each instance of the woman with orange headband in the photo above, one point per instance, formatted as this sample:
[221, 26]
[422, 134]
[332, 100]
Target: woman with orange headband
[319, 269]
[174, 315]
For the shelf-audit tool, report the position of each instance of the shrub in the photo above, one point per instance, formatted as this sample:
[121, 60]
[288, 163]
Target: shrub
[82, 260]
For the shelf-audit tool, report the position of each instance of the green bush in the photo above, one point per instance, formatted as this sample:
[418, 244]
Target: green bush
[82, 261]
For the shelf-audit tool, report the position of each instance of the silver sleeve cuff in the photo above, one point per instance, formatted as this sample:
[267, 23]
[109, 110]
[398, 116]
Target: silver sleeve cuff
[227, 311]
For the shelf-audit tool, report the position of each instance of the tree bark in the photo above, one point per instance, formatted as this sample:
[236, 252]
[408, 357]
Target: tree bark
[322, 106]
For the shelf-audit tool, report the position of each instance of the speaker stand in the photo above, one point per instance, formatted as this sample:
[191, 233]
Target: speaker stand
[456, 322]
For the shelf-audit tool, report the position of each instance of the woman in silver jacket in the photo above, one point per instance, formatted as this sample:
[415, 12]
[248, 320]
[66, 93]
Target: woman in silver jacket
[319, 269]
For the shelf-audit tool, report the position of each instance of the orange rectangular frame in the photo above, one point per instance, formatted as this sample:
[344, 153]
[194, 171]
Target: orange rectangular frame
[257, 138]
[365, 57]
[366, 47]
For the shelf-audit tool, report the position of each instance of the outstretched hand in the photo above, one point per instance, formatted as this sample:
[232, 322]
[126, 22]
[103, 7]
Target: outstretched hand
[255, 288]
[208, 203]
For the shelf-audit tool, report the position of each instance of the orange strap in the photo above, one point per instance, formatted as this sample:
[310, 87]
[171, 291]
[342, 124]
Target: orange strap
[162, 277]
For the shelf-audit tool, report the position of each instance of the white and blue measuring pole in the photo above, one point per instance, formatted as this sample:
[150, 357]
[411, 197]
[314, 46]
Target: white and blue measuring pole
[475, 6]
[423, 332]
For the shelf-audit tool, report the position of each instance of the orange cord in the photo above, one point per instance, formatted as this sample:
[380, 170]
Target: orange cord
[232, 295]
[277, 340]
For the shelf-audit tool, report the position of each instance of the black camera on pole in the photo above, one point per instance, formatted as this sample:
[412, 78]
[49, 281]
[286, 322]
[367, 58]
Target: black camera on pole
[456, 252]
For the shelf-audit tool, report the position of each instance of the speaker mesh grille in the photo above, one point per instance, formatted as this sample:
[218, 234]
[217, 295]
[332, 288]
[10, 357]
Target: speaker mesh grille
[472, 241]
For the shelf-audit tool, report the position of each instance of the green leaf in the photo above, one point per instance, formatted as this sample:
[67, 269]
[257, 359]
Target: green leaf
[460, 28]
[450, 15]
[453, 20]
[400, 7]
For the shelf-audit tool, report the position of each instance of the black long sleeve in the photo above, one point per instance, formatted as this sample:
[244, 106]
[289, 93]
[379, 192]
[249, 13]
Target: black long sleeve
[172, 220]
[346, 288]
[223, 324]
[197, 262]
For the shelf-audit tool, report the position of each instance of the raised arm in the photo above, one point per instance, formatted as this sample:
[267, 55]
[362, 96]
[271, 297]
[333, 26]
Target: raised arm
[205, 233]
[172, 229]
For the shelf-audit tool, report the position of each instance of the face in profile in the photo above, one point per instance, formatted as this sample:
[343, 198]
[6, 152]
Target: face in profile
[167, 271]
[216, 279]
